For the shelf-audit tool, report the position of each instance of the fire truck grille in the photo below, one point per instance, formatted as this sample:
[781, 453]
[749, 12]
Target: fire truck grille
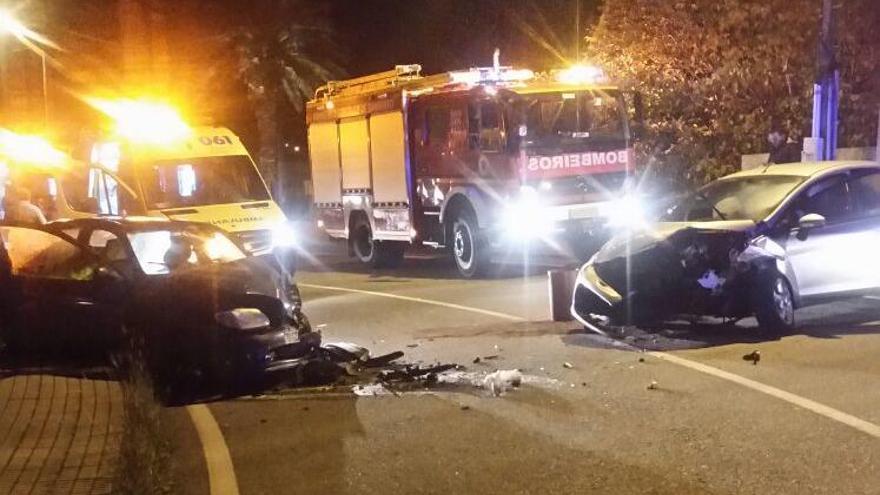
[256, 242]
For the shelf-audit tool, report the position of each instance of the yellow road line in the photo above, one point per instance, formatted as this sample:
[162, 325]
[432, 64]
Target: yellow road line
[221, 473]
[802, 402]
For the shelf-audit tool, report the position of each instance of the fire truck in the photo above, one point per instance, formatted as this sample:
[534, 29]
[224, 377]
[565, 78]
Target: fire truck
[480, 161]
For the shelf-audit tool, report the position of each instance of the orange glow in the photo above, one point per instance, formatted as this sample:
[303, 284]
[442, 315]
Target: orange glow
[143, 121]
[33, 151]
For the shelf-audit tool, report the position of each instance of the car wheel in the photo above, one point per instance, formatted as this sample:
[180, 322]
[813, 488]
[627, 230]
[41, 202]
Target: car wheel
[469, 247]
[774, 304]
[378, 254]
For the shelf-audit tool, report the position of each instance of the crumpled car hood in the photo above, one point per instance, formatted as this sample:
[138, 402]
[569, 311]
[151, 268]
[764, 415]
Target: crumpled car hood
[642, 240]
[196, 294]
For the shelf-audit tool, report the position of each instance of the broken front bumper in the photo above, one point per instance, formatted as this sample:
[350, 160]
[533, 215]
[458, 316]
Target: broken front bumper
[593, 297]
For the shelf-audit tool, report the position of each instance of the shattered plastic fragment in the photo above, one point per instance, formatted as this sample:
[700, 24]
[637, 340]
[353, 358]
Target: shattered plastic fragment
[501, 381]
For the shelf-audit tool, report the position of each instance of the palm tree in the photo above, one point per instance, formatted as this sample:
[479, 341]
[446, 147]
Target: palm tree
[283, 50]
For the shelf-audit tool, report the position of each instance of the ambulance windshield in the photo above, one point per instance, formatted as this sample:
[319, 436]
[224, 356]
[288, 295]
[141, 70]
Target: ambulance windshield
[188, 182]
[562, 117]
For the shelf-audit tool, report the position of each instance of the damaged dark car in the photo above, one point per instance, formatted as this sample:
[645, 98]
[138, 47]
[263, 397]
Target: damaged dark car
[195, 304]
[761, 243]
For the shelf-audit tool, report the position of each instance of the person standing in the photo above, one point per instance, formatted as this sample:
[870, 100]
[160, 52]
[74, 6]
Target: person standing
[781, 149]
[20, 209]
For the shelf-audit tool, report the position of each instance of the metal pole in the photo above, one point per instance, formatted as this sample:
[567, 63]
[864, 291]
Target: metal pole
[577, 31]
[45, 91]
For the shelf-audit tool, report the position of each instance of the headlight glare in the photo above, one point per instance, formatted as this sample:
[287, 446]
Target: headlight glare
[283, 235]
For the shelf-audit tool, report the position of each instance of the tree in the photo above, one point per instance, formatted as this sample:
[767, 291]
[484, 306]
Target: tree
[713, 73]
[282, 51]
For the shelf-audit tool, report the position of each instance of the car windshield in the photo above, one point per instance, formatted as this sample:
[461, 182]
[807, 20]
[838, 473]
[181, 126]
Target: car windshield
[164, 251]
[572, 116]
[740, 198]
[201, 181]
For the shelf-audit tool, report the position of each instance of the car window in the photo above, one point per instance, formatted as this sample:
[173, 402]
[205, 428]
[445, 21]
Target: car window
[34, 253]
[865, 191]
[829, 198]
[98, 238]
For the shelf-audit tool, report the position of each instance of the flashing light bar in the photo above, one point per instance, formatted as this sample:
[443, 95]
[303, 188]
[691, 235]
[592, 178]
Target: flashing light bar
[581, 74]
[483, 75]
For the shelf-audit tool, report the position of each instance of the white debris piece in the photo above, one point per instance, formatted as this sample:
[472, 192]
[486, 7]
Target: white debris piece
[371, 390]
[711, 280]
[502, 380]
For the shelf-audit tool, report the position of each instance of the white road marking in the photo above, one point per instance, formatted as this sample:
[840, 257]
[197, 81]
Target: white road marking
[802, 402]
[875, 298]
[810, 405]
[221, 473]
[419, 300]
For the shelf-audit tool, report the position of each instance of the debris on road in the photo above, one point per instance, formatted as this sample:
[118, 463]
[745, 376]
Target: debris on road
[567, 365]
[412, 346]
[501, 381]
[653, 385]
[753, 356]
[477, 360]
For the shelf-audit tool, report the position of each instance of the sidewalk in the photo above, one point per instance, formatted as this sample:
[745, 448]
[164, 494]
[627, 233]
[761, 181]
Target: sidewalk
[58, 434]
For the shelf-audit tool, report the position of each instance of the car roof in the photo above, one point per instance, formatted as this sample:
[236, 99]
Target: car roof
[804, 169]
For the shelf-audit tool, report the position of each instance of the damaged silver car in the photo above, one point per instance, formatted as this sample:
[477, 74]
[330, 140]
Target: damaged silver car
[762, 242]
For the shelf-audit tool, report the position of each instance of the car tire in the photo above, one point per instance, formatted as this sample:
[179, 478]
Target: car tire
[470, 249]
[773, 302]
[378, 254]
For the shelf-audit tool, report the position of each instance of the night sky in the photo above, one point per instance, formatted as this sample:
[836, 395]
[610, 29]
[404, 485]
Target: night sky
[451, 34]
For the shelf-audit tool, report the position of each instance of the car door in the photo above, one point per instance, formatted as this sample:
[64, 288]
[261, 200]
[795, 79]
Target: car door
[864, 188]
[831, 258]
[59, 295]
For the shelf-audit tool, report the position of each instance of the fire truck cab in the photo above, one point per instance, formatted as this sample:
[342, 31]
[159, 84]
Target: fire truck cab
[482, 162]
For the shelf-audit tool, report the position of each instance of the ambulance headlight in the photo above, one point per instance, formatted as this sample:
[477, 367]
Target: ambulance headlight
[523, 216]
[627, 212]
[283, 235]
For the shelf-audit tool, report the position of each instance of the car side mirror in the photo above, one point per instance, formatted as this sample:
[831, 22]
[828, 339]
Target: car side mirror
[809, 222]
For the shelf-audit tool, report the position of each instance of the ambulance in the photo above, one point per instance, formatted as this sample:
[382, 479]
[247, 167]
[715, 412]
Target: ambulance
[207, 176]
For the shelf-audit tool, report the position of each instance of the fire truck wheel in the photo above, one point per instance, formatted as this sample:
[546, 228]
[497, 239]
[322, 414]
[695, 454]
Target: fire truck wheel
[469, 247]
[378, 254]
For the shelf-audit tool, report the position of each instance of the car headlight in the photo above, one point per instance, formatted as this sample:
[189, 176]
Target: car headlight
[243, 319]
[283, 235]
[626, 212]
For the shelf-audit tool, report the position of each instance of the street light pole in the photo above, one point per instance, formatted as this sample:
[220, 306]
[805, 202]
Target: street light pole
[45, 90]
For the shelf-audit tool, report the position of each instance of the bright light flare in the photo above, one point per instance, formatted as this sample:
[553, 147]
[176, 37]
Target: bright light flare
[627, 212]
[143, 121]
[283, 236]
[524, 217]
[9, 24]
[32, 151]
[580, 74]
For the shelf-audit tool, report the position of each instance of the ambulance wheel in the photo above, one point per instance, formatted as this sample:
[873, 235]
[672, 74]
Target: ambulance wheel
[470, 250]
[378, 254]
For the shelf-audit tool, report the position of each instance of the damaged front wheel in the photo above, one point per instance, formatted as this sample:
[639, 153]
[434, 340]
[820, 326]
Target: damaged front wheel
[774, 303]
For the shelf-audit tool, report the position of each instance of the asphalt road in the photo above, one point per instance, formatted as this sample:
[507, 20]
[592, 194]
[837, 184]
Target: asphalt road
[595, 427]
